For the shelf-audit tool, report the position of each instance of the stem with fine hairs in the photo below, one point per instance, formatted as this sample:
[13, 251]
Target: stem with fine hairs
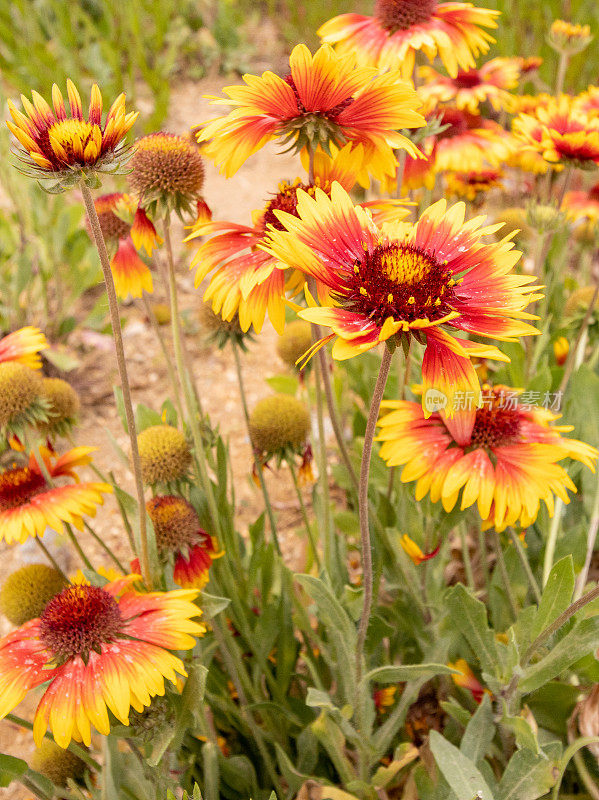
[115, 321]
[373, 414]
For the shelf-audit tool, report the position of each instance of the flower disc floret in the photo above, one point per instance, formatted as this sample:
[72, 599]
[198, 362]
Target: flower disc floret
[78, 620]
[20, 388]
[294, 342]
[27, 591]
[401, 15]
[167, 173]
[164, 454]
[63, 406]
[56, 764]
[279, 423]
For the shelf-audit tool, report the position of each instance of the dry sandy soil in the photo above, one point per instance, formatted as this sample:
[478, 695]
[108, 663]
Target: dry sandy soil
[214, 372]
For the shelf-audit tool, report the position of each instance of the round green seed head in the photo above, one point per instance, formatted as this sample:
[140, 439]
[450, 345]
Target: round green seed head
[27, 591]
[57, 764]
[20, 387]
[295, 340]
[63, 402]
[164, 454]
[279, 422]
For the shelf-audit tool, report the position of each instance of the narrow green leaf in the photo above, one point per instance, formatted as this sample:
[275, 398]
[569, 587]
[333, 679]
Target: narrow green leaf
[581, 640]
[460, 773]
[556, 595]
[479, 732]
[469, 615]
[398, 673]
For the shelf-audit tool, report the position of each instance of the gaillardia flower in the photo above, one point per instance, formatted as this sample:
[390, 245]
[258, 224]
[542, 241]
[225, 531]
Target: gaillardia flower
[29, 505]
[582, 204]
[561, 133]
[167, 174]
[470, 88]
[324, 99]
[470, 142]
[506, 463]
[24, 347]
[180, 537]
[246, 281]
[123, 238]
[471, 185]
[401, 28]
[64, 147]
[99, 650]
[564, 37]
[405, 280]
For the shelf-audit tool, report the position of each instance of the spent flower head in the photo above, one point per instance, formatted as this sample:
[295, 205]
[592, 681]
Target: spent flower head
[28, 590]
[61, 148]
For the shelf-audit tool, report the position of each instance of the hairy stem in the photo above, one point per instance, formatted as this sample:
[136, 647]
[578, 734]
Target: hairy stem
[123, 375]
[373, 414]
[257, 464]
[304, 512]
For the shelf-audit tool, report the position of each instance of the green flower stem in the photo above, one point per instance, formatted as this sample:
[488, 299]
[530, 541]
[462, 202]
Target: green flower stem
[330, 550]
[572, 353]
[105, 547]
[50, 557]
[504, 575]
[526, 564]
[552, 539]
[77, 546]
[363, 508]
[484, 559]
[257, 464]
[560, 77]
[466, 558]
[304, 514]
[192, 409]
[167, 359]
[32, 787]
[113, 306]
[591, 538]
[75, 748]
[334, 417]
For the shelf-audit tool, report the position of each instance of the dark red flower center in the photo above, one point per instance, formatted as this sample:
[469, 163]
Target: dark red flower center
[400, 15]
[18, 486]
[329, 113]
[78, 620]
[285, 200]
[594, 192]
[497, 421]
[468, 79]
[399, 281]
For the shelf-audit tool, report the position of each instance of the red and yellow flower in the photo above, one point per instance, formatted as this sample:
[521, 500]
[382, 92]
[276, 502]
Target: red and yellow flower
[470, 142]
[180, 538]
[325, 98]
[247, 281]
[57, 144]
[582, 204]
[506, 461]
[131, 275]
[100, 650]
[470, 185]
[566, 37]
[405, 280]
[401, 28]
[23, 346]
[470, 88]
[29, 504]
[561, 133]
